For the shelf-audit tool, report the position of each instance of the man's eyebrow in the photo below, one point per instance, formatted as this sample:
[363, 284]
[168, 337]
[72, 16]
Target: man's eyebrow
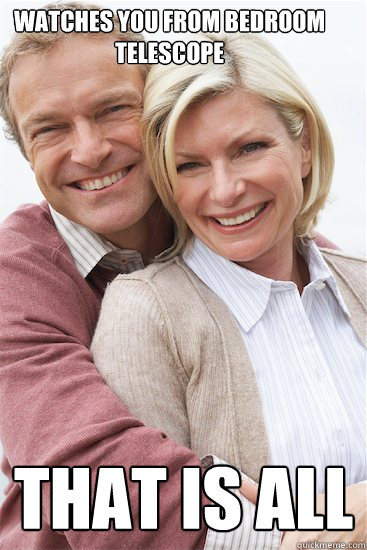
[118, 96]
[38, 119]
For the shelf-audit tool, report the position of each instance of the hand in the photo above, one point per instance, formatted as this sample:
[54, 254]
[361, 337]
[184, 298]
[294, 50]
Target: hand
[249, 489]
[355, 499]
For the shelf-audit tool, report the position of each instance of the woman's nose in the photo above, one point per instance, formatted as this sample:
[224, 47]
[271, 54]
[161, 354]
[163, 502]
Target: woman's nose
[227, 186]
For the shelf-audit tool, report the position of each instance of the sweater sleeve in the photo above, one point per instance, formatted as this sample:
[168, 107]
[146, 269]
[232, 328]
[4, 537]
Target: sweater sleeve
[135, 351]
[55, 408]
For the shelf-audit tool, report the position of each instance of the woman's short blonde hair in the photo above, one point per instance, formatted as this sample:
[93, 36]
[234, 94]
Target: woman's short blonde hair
[257, 67]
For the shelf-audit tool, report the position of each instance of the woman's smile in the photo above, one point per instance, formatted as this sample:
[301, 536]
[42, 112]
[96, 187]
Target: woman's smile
[237, 221]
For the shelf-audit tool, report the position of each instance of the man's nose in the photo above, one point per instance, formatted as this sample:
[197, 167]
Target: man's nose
[90, 146]
[227, 185]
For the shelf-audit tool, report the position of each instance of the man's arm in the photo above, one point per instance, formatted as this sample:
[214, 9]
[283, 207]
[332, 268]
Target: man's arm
[54, 407]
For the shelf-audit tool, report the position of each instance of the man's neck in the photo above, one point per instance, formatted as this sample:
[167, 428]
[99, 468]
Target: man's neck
[149, 236]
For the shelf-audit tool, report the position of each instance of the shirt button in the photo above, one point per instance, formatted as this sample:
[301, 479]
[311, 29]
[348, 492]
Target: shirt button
[320, 285]
[319, 375]
[341, 437]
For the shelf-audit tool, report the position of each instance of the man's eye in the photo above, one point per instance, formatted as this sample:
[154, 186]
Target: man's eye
[116, 108]
[45, 130]
[186, 167]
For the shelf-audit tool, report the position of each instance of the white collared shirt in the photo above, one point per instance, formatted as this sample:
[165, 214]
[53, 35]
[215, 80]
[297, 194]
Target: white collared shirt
[89, 249]
[308, 361]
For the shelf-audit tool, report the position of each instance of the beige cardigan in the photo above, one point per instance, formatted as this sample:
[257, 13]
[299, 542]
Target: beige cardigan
[172, 351]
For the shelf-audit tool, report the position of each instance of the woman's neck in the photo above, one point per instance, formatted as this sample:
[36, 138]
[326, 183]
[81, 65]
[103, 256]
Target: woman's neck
[282, 263]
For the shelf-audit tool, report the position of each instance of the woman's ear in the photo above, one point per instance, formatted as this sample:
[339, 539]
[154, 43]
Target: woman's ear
[306, 150]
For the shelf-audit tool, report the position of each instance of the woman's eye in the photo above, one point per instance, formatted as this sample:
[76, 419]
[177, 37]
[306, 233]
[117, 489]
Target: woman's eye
[253, 146]
[187, 166]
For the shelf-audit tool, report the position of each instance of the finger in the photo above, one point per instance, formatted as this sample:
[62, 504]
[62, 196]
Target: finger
[249, 490]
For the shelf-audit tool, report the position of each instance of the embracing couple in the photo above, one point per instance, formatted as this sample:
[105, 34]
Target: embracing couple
[242, 339]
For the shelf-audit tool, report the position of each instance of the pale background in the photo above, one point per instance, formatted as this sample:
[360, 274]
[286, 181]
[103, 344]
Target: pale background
[331, 64]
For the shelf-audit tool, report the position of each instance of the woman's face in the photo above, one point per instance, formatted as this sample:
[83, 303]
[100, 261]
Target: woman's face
[239, 177]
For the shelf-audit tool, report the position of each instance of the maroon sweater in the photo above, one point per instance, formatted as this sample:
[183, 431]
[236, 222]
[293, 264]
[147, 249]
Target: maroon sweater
[55, 408]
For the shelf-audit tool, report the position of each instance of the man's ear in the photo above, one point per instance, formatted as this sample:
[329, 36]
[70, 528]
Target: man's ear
[306, 149]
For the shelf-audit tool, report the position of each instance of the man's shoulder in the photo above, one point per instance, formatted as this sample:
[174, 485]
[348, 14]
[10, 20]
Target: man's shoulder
[40, 278]
[29, 226]
[32, 248]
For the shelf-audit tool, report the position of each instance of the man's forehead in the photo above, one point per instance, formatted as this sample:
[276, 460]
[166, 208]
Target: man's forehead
[72, 50]
[72, 64]
[75, 55]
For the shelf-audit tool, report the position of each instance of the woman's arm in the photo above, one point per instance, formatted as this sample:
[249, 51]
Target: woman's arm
[136, 354]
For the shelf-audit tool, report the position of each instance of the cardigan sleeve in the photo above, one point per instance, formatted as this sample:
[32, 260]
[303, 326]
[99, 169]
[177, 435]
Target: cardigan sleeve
[135, 351]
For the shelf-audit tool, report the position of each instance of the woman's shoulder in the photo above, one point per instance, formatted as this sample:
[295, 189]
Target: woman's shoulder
[166, 294]
[349, 272]
[347, 263]
[153, 271]
[169, 281]
[160, 275]
[342, 255]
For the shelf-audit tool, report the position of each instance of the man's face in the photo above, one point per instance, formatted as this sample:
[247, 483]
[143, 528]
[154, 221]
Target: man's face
[78, 113]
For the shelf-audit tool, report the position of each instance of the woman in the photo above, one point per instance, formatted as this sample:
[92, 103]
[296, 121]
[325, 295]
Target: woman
[247, 342]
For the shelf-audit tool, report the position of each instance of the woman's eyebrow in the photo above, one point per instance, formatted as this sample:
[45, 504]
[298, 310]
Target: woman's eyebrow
[187, 154]
[235, 142]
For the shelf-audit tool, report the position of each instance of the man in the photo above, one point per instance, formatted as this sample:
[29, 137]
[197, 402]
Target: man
[75, 115]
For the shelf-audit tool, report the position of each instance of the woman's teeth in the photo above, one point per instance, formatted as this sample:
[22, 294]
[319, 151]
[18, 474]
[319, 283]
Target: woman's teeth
[106, 181]
[247, 216]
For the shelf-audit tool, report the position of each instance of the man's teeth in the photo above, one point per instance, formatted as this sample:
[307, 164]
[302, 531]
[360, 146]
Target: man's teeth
[243, 218]
[106, 181]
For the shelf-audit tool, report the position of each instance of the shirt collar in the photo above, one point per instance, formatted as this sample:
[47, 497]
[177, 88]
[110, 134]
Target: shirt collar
[320, 271]
[246, 293]
[88, 248]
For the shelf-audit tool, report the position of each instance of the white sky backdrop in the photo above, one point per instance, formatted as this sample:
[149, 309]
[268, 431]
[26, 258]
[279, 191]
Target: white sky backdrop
[332, 65]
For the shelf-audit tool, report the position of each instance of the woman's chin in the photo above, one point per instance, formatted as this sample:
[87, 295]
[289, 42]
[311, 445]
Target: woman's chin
[239, 252]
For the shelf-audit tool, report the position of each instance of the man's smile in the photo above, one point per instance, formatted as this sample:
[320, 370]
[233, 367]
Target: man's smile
[103, 181]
